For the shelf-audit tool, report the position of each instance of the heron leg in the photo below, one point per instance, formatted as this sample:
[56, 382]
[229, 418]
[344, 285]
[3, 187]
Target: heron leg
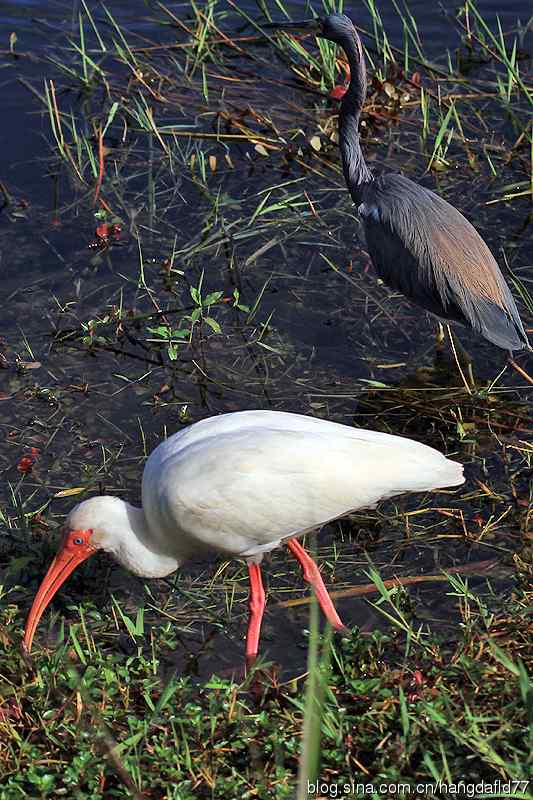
[468, 361]
[312, 576]
[439, 359]
[256, 605]
[519, 369]
[457, 347]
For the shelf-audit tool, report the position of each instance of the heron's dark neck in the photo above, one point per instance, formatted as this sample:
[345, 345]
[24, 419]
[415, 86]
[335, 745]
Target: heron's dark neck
[356, 172]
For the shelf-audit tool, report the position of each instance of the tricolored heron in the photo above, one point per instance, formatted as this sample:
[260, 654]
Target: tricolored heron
[420, 245]
[241, 484]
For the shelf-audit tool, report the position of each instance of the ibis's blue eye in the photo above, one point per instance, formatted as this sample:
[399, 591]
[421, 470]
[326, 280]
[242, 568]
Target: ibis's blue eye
[78, 540]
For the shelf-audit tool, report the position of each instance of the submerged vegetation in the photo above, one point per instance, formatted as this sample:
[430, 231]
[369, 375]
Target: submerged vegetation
[200, 254]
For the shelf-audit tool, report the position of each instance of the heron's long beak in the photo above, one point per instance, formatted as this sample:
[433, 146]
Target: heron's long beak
[304, 25]
[74, 549]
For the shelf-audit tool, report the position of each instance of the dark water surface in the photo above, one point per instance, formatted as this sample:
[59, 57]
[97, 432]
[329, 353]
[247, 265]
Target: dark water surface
[38, 24]
[93, 415]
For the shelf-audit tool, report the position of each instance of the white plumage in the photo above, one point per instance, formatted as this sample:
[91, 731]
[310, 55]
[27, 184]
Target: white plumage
[239, 484]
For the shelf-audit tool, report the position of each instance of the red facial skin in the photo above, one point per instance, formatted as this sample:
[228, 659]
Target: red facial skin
[75, 548]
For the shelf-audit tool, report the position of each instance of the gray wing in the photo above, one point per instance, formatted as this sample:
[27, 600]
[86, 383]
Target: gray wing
[424, 248]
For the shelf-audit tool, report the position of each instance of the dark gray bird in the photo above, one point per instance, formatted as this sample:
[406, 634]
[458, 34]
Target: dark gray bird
[420, 245]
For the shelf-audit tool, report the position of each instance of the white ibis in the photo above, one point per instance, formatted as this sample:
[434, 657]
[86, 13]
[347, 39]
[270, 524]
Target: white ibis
[240, 485]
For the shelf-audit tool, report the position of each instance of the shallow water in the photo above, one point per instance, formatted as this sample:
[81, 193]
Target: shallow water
[340, 351]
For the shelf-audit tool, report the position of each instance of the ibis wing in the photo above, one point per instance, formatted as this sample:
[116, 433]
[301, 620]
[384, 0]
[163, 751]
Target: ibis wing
[424, 248]
[243, 493]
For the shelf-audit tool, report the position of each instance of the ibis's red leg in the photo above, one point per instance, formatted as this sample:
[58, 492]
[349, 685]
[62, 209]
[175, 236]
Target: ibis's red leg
[312, 575]
[256, 604]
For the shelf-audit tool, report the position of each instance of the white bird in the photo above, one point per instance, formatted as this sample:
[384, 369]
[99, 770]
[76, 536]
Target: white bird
[240, 485]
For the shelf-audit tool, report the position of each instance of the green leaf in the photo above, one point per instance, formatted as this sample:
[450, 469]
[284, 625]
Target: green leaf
[172, 351]
[162, 330]
[375, 384]
[196, 296]
[236, 304]
[139, 622]
[77, 645]
[196, 314]
[213, 324]
[404, 715]
[149, 702]
[166, 696]
[214, 297]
